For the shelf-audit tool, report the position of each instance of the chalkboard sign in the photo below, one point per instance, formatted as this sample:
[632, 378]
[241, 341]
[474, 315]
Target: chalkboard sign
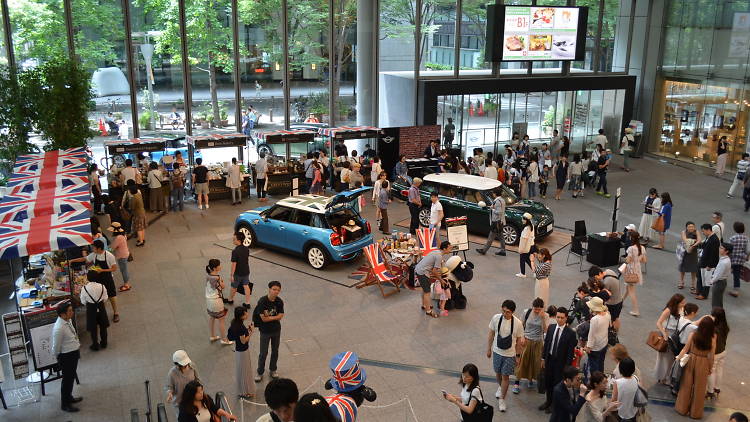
[40, 329]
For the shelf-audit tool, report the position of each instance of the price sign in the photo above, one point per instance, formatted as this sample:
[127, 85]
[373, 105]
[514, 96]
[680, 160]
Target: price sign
[458, 234]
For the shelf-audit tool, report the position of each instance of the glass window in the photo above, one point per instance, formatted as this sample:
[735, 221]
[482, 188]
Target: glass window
[428, 187]
[472, 195]
[438, 18]
[38, 30]
[157, 61]
[100, 44]
[609, 25]
[280, 213]
[474, 27]
[591, 30]
[302, 217]
[345, 68]
[396, 84]
[3, 56]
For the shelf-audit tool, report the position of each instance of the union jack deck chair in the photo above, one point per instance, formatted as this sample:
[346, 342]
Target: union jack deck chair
[378, 271]
[428, 240]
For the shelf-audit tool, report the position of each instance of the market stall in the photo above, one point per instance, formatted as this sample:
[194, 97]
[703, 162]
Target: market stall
[345, 133]
[117, 151]
[217, 175]
[285, 161]
[44, 220]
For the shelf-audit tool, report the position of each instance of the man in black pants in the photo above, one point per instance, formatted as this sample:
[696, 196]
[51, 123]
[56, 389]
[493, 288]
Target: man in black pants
[709, 258]
[559, 344]
[65, 345]
[415, 204]
[267, 317]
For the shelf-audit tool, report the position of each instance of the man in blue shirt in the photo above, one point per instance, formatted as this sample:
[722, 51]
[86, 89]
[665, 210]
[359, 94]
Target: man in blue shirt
[415, 204]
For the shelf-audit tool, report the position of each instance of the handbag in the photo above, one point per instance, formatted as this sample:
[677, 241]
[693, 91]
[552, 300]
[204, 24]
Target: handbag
[640, 399]
[656, 341]
[659, 224]
[707, 275]
[483, 412]
[612, 338]
[630, 276]
[745, 273]
[541, 383]
[674, 341]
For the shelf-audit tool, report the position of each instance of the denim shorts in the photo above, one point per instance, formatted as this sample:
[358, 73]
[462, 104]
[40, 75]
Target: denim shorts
[503, 365]
[245, 280]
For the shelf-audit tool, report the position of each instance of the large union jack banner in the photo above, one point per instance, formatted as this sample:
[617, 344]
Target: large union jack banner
[343, 407]
[46, 233]
[19, 205]
[50, 170]
[428, 240]
[377, 262]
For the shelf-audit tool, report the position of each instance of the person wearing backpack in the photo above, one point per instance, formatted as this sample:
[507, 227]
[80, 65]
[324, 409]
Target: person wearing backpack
[504, 345]
[535, 325]
[624, 391]
[470, 402]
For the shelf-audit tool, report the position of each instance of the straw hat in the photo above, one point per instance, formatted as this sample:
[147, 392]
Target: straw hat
[116, 228]
[628, 130]
[596, 304]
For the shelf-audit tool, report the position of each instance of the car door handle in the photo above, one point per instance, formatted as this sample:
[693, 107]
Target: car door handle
[305, 232]
[281, 227]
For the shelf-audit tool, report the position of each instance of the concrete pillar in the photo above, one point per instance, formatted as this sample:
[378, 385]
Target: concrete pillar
[365, 57]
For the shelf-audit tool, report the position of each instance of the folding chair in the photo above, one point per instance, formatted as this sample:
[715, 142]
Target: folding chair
[427, 240]
[378, 271]
[576, 249]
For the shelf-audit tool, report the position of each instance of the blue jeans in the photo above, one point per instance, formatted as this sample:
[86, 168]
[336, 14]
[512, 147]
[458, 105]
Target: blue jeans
[178, 196]
[596, 360]
[122, 264]
[736, 273]
[532, 189]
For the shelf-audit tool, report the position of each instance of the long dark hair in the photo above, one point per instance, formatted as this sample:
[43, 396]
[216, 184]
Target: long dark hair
[597, 378]
[720, 320]
[236, 323]
[666, 199]
[188, 397]
[212, 264]
[674, 304]
[312, 407]
[635, 239]
[704, 335]
[472, 370]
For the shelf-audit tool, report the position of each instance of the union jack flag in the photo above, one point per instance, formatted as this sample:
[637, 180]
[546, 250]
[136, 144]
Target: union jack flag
[70, 153]
[19, 205]
[52, 169]
[377, 262]
[343, 407]
[45, 233]
[428, 240]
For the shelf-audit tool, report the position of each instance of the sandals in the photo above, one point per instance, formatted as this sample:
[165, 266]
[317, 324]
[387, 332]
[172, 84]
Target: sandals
[680, 286]
[214, 338]
[125, 288]
[140, 243]
[693, 291]
[430, 312]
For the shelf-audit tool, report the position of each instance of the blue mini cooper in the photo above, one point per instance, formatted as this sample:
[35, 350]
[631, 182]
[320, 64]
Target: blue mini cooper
[322, 229]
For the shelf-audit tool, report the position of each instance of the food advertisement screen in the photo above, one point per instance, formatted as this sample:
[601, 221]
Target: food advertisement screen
[540, 33]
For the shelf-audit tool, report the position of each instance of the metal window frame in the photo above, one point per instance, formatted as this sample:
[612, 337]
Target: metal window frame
[187, 89]
[130, 63]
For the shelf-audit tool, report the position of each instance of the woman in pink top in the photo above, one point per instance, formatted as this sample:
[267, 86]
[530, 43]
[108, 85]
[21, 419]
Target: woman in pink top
[121, 252]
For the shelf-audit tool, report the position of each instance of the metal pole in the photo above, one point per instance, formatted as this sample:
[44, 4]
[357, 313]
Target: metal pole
[417, 55]
[185, 70]
[236, 73]
[630, 35]
[8, 39]
[285, 46]
[69, 29]
[376, 69]
[130, 62]
[457, 38]
[332, 61]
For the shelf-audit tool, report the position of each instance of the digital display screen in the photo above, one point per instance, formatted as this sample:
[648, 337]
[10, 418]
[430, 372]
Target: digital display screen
[536, 33]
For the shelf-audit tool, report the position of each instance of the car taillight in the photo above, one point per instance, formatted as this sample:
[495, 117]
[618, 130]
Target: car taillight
[369, 229]
[335, 239]
[405, 193]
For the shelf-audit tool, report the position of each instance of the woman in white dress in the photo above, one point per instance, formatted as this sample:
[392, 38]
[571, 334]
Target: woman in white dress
[597, 407]
[636, 254]
[651, 204]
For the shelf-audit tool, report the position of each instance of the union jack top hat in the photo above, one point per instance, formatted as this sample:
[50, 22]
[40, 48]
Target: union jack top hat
[347, 375]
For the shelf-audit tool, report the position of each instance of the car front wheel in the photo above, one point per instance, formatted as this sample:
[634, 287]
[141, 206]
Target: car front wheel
[317, 257]
[424, 217]
[250, 240]
[510, 235]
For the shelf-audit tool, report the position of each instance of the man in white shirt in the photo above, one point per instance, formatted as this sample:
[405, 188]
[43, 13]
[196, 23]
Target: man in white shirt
[234, 181]
[261, 167]
[129, 173]
[106, 264]
[65, 345]
[742, 167]
[596, 346]
[718, 226]
[436, 211]
[720, 276]
[504, 345]
[601, 139]
[94, 296]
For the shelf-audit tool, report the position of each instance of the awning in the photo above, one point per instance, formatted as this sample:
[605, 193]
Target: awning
[46, 205]
[284, 136]
[218, 140]
[345, 132]
[135, 145]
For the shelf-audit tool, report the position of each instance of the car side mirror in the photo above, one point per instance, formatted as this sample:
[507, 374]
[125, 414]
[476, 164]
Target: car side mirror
[482, 204]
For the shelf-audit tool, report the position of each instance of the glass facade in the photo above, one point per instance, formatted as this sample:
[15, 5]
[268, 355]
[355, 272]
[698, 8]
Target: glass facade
[704, 72]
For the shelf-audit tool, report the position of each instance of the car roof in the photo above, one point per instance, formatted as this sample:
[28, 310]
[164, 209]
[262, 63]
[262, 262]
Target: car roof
[312, 203]
[463, 180]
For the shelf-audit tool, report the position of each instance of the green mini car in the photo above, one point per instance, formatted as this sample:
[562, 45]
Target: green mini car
[468, 195]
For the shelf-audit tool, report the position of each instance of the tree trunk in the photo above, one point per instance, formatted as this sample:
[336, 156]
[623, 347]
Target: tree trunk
[214, 91]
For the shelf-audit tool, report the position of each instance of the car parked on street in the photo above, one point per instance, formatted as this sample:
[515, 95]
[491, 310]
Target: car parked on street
[469, 195]
[322, 229]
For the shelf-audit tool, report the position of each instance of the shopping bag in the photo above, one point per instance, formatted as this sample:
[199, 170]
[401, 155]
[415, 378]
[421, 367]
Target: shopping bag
[659, 224]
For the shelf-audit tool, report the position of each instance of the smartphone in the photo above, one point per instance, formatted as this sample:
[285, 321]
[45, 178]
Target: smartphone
[445, 393]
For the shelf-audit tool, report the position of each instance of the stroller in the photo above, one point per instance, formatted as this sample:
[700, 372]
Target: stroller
[579, 312]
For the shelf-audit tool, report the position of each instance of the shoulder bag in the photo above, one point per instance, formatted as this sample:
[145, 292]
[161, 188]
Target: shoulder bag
[504, 343]
[674, 340]
[656, 341]
[659, 224]
[483, 412]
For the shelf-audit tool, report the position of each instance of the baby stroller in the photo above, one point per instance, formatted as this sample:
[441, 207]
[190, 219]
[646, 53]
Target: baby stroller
[579, 312]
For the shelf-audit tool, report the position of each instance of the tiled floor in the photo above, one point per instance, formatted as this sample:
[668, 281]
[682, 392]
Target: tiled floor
[165, 311]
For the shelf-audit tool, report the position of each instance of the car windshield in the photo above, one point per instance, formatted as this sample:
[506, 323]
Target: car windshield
[507, 194]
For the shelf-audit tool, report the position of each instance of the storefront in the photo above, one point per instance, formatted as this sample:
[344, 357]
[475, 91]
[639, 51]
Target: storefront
[486, 113]
[696, 116]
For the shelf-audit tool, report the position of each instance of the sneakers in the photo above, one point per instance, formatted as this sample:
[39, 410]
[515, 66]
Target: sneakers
[635, 314]
[730, 196]
[200, 207]
[606, 195]
[258, 377]
[498, 392]
[444, 313]
[227, 342]
[532, 385]
[207, 207]
[521, 275]
[501, 405]
[481, 252]
[516, 388]
[500, 253]
[274, 375]
[599, 193]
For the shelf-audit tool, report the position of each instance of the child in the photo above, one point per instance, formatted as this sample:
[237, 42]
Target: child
[543, 181]
[442, 293]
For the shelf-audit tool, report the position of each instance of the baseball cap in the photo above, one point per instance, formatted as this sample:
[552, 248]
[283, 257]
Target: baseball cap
[181, 358]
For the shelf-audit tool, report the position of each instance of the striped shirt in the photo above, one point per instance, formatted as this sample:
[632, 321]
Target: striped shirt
[739, 249]
[543, 270]
[414, 195]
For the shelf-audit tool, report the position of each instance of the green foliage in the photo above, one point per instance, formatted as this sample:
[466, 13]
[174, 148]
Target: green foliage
[14, 119]
[60, 97]
[144, 120]
[38, 29]
[549, 117]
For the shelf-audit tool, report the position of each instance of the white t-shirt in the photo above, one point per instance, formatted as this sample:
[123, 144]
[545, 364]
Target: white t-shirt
[718, 230]
[626, 388]
[687, 329]
[490, 172]
[600, 140]
[128, 173]
[466, 396]
[504, 332]
[434, 213]
[106, 256]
